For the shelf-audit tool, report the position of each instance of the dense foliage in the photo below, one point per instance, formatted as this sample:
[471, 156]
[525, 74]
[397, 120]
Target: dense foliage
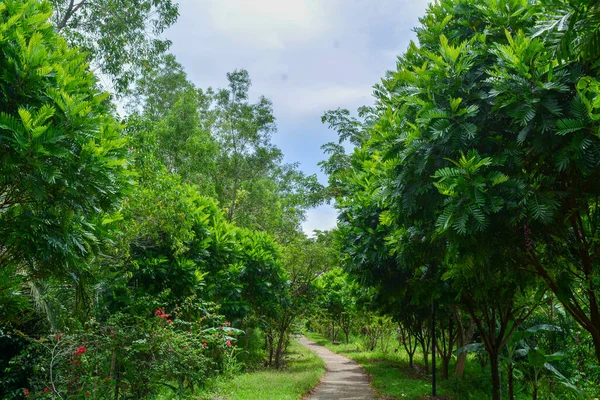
[472, 186]
[145, 257]
[158, 254]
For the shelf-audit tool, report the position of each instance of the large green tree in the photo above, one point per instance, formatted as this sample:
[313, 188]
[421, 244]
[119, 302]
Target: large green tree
[62, 159]
[121, 37]
[482, 132]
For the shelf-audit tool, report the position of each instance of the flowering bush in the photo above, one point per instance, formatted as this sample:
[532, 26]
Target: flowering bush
[132, 355]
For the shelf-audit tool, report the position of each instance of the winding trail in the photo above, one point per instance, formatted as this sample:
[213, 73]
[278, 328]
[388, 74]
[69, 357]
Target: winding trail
[344, 379]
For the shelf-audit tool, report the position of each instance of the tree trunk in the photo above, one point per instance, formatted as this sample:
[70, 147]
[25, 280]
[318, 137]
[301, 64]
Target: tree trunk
[511, 385]
[466, 338]
[461, 362]
[247, 337]
[596, 341]
[114, 373]
[463, 338]
[445, 367]
[448, 338]
[425, 348]
[407, 341]
[332, 331]
[279, 350]
[270, 347]
[496, 386]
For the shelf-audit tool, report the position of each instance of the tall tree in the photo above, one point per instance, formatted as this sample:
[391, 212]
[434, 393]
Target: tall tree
[571, 27]
[62, 159]
[243, 131]
[483, 132]
[257, 189]
[121, 37]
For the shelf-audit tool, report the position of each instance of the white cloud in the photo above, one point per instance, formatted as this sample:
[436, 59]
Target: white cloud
[303, 101]
[321, 218]
[267, 24]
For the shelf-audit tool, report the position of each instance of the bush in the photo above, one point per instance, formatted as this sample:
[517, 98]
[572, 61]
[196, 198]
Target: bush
[134, 356]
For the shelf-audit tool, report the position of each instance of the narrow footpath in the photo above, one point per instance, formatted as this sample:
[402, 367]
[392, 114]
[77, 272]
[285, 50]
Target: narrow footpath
[344, 379]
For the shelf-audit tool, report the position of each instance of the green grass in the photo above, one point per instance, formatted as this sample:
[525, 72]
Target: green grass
[393, 378]
[302, 371]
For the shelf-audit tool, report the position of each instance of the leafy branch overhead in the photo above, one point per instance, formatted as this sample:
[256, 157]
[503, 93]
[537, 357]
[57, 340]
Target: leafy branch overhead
[122, 37]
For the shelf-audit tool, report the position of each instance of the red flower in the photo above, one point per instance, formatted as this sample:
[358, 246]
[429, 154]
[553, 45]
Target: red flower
[80, 350]
[229, 343]
[46, 390]
[170, 322]
[26, 392]
[87, 394]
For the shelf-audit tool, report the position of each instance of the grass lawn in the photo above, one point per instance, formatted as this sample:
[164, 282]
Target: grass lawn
[393, 378]
[302, 372]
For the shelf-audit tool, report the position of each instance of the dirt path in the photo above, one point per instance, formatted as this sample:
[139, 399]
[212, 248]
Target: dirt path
[344, 379]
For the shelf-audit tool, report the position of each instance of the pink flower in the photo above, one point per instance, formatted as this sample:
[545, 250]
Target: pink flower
[204, 344]
[229, 343]
[46, 390]
[26, 392]
[170, 322]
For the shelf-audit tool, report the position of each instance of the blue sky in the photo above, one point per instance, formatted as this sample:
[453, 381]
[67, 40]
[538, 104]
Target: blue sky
[307, 56]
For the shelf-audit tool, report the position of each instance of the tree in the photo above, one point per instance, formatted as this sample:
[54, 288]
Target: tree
[121, 37]
[243, 131]
[541, 159]
[257, 189]
[480, 130]
[304, 259]
[63, 169]
[337, 300]
[158, 89]
[571, 27]
[184, 146]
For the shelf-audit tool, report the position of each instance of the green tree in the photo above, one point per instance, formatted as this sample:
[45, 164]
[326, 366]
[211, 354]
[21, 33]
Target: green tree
[62, 159]
[257, 189]
[337, 300]
[482, 131]
[158, 89]
[243, 131]
[539, 156]
[571, 27]
[121, 37]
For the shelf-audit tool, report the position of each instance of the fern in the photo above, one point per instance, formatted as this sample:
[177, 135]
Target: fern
[566, 125]
[10, 123]
[26, 118]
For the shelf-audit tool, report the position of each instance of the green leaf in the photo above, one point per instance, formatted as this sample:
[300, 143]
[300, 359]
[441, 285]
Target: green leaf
[566, 126]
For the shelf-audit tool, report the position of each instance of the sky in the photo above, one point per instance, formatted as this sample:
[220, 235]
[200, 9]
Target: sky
[307, 56]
